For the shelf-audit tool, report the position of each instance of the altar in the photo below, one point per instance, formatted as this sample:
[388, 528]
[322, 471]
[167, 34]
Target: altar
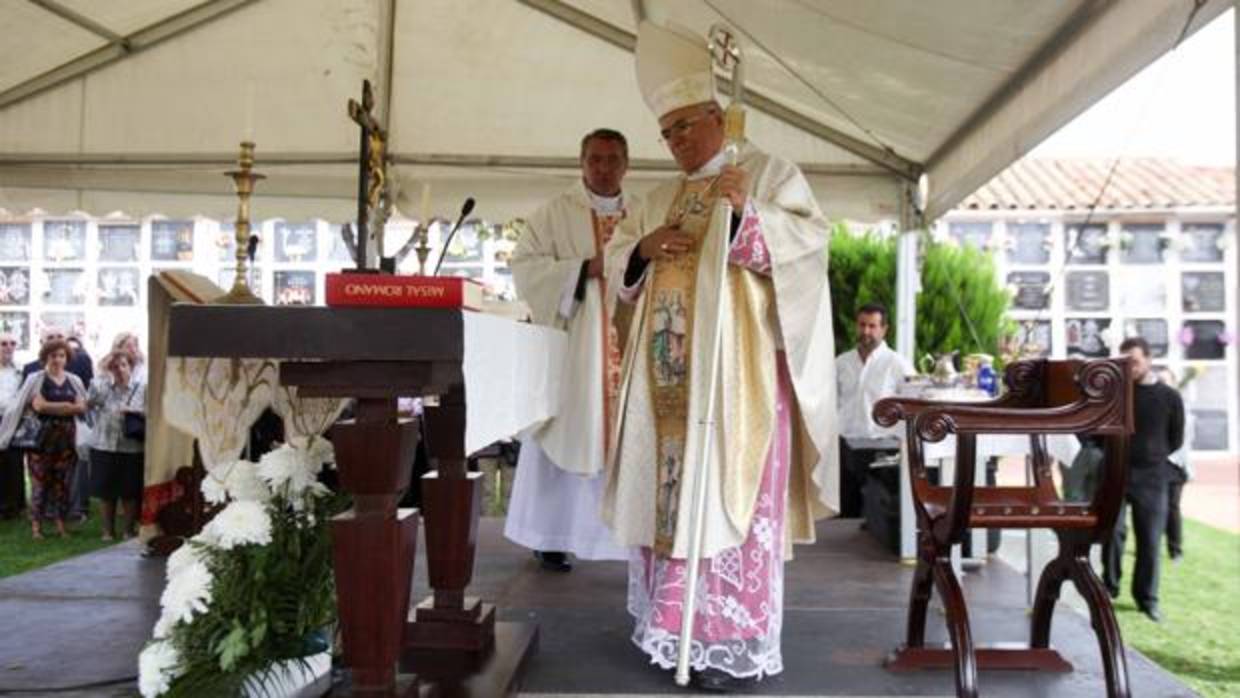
[484, 378]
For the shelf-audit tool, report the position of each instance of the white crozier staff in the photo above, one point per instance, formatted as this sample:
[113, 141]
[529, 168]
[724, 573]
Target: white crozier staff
[727, 54]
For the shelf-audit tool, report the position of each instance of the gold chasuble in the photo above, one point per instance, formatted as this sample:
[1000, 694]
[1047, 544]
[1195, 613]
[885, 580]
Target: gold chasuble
[784, 316]
[668, 339]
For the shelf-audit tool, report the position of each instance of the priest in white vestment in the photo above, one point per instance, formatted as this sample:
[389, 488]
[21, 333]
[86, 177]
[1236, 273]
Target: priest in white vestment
[557, 267]
[773, 467]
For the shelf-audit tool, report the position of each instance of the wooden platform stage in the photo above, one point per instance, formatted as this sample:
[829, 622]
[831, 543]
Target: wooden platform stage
[79, 625]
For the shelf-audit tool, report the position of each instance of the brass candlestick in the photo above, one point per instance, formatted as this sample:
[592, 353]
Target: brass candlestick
[423, 249]
[243, 181]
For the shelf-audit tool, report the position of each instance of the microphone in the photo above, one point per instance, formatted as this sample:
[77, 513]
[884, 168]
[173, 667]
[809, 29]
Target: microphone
[466, 209]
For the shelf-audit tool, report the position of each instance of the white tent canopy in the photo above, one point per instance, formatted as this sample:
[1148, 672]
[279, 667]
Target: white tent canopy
[138, 106]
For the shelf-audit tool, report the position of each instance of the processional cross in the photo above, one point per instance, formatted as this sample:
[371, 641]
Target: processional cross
[371, 176]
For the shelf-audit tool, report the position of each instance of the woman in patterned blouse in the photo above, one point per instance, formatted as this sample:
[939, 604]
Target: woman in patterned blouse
[116, 463]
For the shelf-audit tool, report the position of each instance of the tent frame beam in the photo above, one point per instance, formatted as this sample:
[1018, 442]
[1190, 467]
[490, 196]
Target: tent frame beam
[620, 38]
[78, 19]
[119, 48]
[13, 162]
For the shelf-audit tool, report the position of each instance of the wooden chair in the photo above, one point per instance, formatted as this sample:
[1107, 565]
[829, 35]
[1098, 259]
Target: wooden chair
[1043, 397]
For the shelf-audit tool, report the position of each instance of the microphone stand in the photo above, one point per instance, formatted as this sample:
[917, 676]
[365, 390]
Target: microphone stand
[466, 209]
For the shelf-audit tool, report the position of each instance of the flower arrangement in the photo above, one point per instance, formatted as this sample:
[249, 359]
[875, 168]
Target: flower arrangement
[254, 589]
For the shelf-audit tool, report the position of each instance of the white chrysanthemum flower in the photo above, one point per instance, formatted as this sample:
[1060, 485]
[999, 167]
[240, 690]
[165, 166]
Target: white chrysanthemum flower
[213, 489]
[188, 592]
[240, 523]
[286, 469]
[163, 626]
[180, 559]
[158, 665]
[244, 484]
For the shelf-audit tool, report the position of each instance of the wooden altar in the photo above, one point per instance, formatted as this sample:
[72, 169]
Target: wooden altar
[493, 377]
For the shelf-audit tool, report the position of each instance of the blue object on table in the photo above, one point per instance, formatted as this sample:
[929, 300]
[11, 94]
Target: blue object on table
[987, 380]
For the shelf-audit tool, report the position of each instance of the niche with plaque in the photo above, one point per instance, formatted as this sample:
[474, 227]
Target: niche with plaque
[975, 235]
[1086, 244]
[1152, 330]
[1201, 242]
[1088, 290]
[1203, 292]
[1030, 243]
[1088, 337]
[1205, 339]
[1031, 289]
[1143, 244]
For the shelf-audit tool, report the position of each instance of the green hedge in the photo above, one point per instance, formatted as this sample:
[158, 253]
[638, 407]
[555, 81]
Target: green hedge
[955, 281]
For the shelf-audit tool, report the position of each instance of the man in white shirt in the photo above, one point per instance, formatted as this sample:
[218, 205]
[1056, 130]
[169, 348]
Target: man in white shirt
[865, 375]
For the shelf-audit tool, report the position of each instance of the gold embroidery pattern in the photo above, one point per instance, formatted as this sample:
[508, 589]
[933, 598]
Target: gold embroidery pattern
[669, 317]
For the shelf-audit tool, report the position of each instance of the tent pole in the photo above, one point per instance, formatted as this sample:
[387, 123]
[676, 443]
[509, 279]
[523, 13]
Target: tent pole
[908, 283]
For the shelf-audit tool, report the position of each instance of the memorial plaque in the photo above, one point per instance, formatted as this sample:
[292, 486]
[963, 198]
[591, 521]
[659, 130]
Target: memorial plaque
[17, 324]
[1203, 292]
[64, 241]
[64, 286]
[14, 242]
[1088, 290]
[294, 287]
[172, 241]
[1143, 292]
[1031, 289]
[975, 235]
[14, 286]
[1210, 430]
[1088, 337]
[296, 242]
[1152, 330]
[118, 286]
[1143, 244]
[119, 243]
[1034, 338]
[1205, 339]
[1201, 242]
[1086, 244]
[1031, 243]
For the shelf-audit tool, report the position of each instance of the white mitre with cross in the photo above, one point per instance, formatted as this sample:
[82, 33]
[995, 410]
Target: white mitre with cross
[674, 68]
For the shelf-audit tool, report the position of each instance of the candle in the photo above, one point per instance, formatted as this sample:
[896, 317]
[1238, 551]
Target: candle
[426, 204]
[248, 134]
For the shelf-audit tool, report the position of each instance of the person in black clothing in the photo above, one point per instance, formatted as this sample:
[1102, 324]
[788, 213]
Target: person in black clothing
[1159, 423]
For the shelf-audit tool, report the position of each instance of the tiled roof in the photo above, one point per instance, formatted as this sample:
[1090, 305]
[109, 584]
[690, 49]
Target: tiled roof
[1074, 184]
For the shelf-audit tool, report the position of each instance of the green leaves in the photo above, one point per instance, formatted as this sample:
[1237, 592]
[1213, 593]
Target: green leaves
[267, 602]
[962, 306]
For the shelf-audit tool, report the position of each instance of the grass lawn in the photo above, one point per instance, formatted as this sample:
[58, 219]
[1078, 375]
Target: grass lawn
[1199, 637]
[21, 553]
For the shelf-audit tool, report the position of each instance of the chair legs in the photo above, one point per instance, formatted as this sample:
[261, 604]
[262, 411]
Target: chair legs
[919, 602]
[1106, 628]
[1073, 563]
[957, 627]
[1049, 584]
